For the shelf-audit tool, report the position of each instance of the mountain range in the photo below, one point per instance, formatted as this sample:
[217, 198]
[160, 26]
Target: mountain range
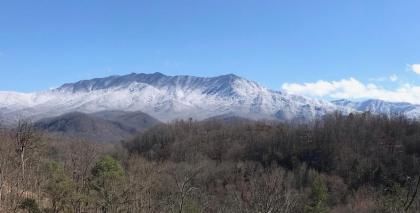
[179, 97]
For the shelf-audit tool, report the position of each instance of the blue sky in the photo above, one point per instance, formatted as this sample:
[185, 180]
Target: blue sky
[276, 43]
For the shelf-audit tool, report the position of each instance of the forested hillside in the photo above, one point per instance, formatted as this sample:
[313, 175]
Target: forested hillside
[355, 163]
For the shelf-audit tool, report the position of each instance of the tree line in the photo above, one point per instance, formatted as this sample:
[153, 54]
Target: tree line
[339, 163]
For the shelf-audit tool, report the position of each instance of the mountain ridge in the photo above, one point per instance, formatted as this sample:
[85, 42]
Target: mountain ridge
[172, 97]
[377, 106]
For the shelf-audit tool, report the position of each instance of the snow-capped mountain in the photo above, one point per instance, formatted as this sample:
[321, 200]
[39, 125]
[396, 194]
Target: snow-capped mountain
[166, 98]
[382, 107]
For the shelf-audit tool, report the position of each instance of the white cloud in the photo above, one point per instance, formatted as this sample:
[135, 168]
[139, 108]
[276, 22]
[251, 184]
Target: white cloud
[393, 78]
[354, 89]
[415, 68]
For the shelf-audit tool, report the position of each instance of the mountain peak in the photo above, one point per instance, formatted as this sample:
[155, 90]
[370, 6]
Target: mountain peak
[231, 76]
[156, 79]
[111, 81]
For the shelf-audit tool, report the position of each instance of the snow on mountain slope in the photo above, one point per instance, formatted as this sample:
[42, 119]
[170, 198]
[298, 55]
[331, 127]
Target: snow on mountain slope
[382, 107]
[164, 97]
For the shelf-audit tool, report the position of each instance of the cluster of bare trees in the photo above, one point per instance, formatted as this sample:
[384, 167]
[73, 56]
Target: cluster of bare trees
[355, 163]
[19, 162]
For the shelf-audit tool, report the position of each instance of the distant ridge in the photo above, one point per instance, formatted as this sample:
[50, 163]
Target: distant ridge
[103, 127]
[228, 118]
[382, 107]
[137, 121]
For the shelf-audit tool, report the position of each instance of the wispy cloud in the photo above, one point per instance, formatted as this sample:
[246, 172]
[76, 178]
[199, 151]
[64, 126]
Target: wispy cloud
[352, 88]
[393, 78]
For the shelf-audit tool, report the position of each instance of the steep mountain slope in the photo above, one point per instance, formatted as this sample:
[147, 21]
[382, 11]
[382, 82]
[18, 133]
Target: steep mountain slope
[165, 98]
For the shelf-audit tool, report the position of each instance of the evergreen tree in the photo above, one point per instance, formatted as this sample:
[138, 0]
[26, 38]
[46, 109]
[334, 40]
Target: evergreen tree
[319, 197]
[107, 181]
[59, 187]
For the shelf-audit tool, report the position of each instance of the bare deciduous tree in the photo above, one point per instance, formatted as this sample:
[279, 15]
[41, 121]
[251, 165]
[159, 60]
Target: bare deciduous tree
[25, 138]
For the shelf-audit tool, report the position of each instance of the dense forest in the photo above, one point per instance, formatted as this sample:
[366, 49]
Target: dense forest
[340, 163]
